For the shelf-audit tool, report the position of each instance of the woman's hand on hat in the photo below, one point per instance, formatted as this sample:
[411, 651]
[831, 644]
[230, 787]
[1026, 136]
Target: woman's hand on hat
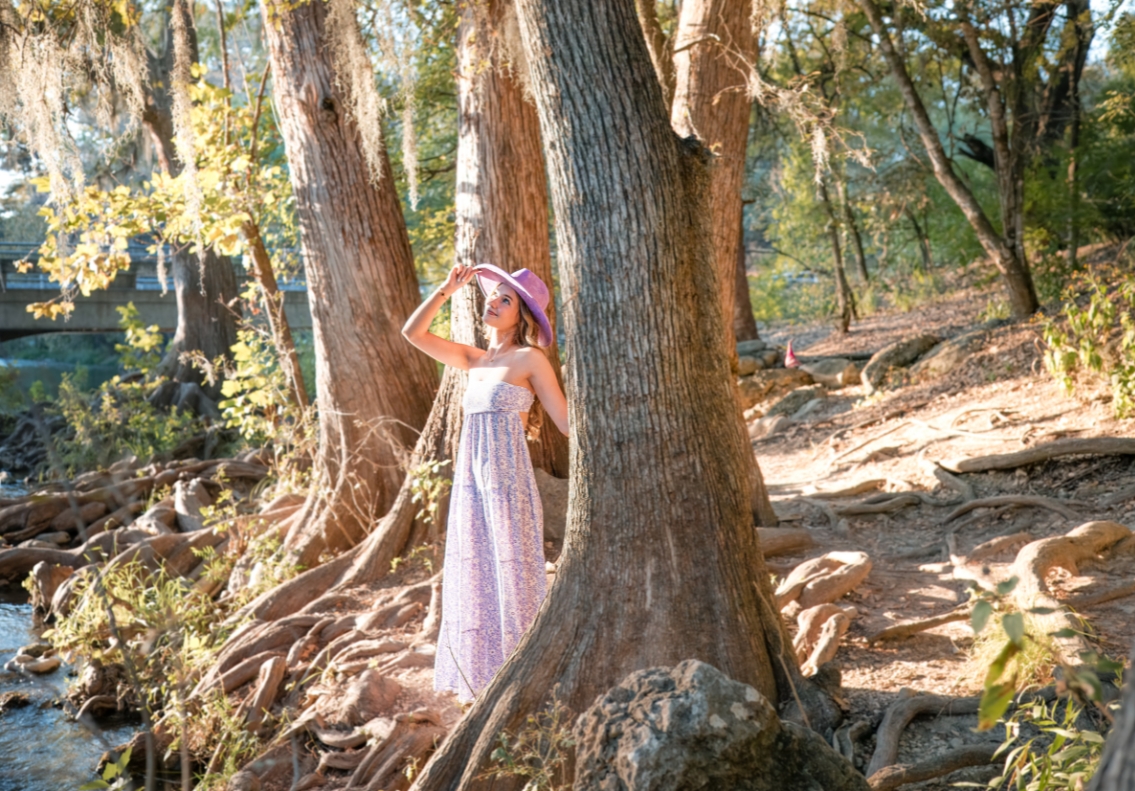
[458, 277]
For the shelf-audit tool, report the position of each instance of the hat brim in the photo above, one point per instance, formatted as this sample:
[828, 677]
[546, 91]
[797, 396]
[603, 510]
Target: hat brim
[487, 273]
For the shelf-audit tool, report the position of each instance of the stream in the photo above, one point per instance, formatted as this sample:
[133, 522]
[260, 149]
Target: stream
[40, 749]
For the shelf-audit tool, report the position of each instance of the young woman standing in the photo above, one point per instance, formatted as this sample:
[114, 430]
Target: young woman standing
[494, 556]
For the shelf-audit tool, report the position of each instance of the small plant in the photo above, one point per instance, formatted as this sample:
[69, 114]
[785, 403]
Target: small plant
[1096, 340]
[429, 486]
[423, 553]
[539, 751]
[114, 775]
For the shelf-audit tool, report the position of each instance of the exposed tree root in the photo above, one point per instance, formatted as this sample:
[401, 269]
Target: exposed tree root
[821, 629]
[267, 688]
[907, 628]
[384, 764]
[908, 706]
[953, 482]
[938, 766]
[1095, 446]
[784, 540]
[850, 491]
[1017, 501]
[1092, 599]
[822, 580]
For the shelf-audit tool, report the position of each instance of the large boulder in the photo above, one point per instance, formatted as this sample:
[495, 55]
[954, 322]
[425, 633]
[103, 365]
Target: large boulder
[692, 727]
[897, 355]
[751, 348]
[770, 383]
[796, 400]
[948, 355]
[833, 372]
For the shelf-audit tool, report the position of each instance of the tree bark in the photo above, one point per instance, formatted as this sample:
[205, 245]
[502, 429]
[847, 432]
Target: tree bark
[374, 389]
[660, 503]
[852, 228]
[1116, 770]
[205, 288]
[744, 323]
[711, 102]
[923, 239]
[661, 53]
[502, 194]
[845, 300]
[1013, 268]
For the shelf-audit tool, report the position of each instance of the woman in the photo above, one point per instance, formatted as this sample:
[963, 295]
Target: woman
[494, 556]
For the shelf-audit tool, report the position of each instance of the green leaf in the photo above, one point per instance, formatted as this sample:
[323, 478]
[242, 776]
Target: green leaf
[980, 615]
[1007, 587]
[1014, 625]
[994, 702]
[94, 785]
[1065, 633]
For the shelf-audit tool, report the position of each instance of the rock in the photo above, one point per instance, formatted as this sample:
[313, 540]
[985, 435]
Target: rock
[791, 403]
[833, 372]
[189, 497]
[369, 695]
[37, 650]
[808, 409]
[897, 355]
[554, 497]
[166, 514]
[13, 700]
[770, 383]
[42, 666]
[948, 355]
[771, 358]
[747, 365]
[769, 426]
[750, 348]
[690, 726]
[243, 781]
[59, 538]
[46, 579]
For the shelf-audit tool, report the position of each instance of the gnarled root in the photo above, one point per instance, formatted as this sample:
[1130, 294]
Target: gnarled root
[908, 706]
[410, 741]
[822, 580]
[820, 630]
[938, 766]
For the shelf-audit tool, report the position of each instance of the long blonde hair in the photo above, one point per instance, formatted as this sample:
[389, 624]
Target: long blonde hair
[526, 334]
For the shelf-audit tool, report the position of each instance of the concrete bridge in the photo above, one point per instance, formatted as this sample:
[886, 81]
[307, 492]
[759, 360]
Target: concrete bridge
[97, 313]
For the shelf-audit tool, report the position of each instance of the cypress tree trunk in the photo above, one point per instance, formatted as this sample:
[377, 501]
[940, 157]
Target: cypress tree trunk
[660, 494]
[374, 389]
[203, 288]
[744, 323]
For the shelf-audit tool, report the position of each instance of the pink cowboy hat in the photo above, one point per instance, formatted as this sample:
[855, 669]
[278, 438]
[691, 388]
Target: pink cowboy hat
[530, 288]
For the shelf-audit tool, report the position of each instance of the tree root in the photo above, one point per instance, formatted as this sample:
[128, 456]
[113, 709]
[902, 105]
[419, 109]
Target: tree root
[821, 629]
[822, 580]
[784, 540]
[907, 628]
[1095, 446]
[1031, 567]
[851, 491]
[383, 765]
[938, 766]
[908, 706]
[1092, 599]
[1015, 500]
[267, 688]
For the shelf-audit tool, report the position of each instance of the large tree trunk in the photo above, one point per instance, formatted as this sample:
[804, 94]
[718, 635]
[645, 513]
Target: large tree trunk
[502, 194]
[659, 499]
[205, 288]
[374, 389]
[1013, 268]
[1116, 770]
[711, 103]
[744, 323]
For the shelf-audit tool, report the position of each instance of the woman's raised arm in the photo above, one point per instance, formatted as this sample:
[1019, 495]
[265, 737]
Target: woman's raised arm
[417, 327]
[547, 387]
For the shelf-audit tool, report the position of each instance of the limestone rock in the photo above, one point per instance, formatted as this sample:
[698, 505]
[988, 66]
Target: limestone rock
[554, 497]
[368, 696]
[748, 365]
[751, 348]
[948, 355]
[833, 372]
[13, 700]
[46, 579]
[769, 426]
[897, 355]
[770, 383]
[687, 727]
[189, 497]
[791, 403]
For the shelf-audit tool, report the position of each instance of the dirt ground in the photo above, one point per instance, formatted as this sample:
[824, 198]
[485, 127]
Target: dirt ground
[999, 401]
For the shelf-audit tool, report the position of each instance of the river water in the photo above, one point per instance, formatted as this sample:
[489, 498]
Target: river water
[40, 750]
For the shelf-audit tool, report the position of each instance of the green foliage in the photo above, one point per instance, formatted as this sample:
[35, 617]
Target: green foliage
[1094, 339]
[142, 350]
[113, 776]
[429, 485]
[539, 751]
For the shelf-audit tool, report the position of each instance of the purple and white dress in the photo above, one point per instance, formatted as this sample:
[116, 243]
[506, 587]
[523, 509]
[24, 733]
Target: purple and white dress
[494, 555]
